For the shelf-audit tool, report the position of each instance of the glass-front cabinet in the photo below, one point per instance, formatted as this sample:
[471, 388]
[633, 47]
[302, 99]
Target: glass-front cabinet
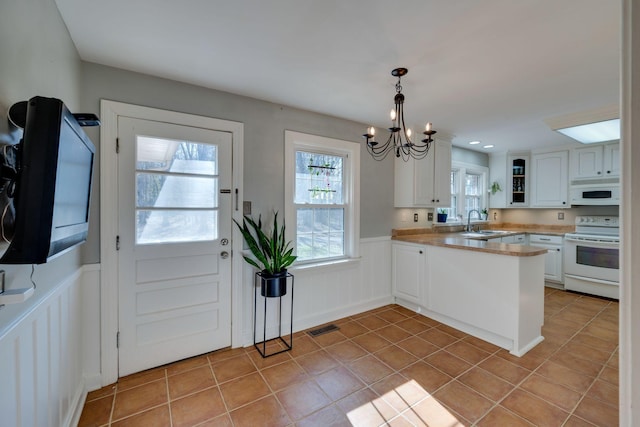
[518, 180]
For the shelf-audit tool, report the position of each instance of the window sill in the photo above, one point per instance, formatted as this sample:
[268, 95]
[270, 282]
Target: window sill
[324, 265]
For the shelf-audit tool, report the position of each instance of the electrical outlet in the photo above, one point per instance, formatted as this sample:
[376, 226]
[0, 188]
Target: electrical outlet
[415, 217]
[430, 216]
[561, 215]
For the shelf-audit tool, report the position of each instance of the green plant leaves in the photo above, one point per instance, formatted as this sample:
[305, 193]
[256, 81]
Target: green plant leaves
[272, 253]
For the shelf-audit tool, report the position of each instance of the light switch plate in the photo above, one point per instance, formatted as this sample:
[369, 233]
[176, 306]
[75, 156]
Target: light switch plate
[430, 216]
[246, 208]
[561, 215]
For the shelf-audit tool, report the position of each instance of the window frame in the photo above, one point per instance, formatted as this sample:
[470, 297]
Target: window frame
[463, 169]
[350, 151]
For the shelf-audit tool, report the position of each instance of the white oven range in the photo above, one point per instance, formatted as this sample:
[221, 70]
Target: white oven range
[592, 256]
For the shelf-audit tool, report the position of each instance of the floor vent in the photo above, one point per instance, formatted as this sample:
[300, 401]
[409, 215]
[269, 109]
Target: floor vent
[323, 330]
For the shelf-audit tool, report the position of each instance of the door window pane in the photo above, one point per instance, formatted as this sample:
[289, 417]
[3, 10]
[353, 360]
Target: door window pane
[176, 191]
[173, 226]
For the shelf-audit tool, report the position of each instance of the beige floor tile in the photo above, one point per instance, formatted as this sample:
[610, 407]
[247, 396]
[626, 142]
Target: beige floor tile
[534, 409]
[303, 399]
[264, 412]
[243, 390]
[156, 417]
[190, 381]
[139, 399]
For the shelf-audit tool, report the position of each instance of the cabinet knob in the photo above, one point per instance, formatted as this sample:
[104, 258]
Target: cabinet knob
[421, 251]
[599, 173]
[437, 200]
[564, 203]
[432, 200]
[608, 171]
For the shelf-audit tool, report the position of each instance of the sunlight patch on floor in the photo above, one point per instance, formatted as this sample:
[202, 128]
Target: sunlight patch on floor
[408, 401]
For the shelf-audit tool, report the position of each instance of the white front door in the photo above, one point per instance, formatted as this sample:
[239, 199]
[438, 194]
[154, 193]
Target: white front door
[174, 229]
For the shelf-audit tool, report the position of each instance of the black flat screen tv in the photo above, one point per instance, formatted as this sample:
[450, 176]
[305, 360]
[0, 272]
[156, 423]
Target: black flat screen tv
[52, 185]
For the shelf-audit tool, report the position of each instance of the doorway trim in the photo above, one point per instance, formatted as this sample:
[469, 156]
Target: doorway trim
[109, 112]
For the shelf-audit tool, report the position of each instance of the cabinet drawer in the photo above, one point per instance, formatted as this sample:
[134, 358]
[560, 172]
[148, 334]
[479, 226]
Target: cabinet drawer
[546, 239]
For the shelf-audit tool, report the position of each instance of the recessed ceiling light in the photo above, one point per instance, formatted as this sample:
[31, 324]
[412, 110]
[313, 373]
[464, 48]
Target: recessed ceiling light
[474, 143]
[488, 146]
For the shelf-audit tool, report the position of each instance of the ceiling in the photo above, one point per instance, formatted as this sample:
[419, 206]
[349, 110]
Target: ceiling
[490, 70]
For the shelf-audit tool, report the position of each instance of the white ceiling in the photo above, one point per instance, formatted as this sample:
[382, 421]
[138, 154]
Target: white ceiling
[491, 70]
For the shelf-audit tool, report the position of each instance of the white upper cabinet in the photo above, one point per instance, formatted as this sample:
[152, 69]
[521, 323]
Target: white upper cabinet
[426, 182]
[611, 160]
[518, 172]
[595, 161]
[550, 180]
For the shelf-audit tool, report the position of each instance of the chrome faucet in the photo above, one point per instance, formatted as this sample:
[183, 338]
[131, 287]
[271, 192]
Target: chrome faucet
[469, 219]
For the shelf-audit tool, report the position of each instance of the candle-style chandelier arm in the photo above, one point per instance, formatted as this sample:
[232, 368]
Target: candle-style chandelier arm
[399, 140]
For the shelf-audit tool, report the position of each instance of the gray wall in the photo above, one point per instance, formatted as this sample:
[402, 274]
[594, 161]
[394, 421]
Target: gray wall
[37, 57]
[469, 156]
[264, 126]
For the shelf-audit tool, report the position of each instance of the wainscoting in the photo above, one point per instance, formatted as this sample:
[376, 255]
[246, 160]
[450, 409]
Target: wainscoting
[50, 356]
[326, 293]
[42, 356]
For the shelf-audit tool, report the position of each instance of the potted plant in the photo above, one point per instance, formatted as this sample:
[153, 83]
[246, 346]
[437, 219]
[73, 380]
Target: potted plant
[495, 187]
[272, 254]
[442, 215]
[485, 214]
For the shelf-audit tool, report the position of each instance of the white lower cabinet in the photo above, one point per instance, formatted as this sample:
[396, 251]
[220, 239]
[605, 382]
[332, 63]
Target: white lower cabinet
[409, 262]
[553, 263]
[517, 239]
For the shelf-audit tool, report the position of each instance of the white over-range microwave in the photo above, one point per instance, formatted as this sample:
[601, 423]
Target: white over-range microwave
[595, 194]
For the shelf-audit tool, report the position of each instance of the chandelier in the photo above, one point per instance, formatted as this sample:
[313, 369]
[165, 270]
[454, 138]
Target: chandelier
[399, 140]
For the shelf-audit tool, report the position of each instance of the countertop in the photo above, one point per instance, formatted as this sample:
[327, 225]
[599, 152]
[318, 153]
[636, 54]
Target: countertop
[425, 236]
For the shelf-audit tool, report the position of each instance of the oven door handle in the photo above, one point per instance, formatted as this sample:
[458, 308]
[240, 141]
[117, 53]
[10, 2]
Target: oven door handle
[591, 279]
[587, 240]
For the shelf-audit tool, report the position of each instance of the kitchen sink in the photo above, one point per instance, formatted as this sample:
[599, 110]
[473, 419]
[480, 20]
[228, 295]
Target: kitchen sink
[483, 233]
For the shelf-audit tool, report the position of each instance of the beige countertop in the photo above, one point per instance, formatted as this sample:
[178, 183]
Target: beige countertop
[447, 238]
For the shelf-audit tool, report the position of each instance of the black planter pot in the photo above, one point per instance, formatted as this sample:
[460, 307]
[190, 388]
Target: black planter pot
[442, 217]
[273, 285]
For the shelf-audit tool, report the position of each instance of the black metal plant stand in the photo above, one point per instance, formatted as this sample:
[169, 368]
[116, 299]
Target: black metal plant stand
[288, 345]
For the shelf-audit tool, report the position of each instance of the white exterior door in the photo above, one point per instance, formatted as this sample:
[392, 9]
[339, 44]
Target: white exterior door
[174, 228]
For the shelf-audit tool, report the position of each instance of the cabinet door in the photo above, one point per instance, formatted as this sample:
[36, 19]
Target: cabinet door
[408, 263]
[586, 162]
[550, 180]
[612, 160]
[518, 170]
[442, 174]
[425, 182]
[423, 179]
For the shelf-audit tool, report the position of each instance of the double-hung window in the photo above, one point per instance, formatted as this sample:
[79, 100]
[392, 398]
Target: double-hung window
[468, 190]
[322, 197]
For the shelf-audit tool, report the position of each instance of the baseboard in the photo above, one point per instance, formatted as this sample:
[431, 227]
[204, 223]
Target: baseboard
[75, 407]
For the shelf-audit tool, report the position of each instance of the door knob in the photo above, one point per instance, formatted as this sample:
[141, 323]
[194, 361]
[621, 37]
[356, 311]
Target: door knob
[224, 254]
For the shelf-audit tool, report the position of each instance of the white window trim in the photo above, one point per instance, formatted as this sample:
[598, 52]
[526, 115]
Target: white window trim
[463, 169]
[296, 141]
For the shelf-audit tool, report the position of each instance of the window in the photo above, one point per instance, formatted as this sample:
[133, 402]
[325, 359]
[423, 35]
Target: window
[468, 191]
[176, 191]
[322, 196]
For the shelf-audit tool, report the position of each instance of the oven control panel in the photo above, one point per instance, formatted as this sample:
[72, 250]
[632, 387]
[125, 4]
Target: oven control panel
[597, 221]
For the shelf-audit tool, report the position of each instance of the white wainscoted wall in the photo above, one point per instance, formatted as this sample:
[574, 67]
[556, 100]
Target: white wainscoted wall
[326, 293]
[43, 355]
[50, 356]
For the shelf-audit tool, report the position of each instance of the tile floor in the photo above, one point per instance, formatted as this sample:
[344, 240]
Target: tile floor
[388, 366]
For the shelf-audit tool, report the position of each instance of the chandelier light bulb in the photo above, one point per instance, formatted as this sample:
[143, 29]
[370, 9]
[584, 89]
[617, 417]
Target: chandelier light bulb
[372, 131]
[393, 114]
[427, 128]
[409, 133]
